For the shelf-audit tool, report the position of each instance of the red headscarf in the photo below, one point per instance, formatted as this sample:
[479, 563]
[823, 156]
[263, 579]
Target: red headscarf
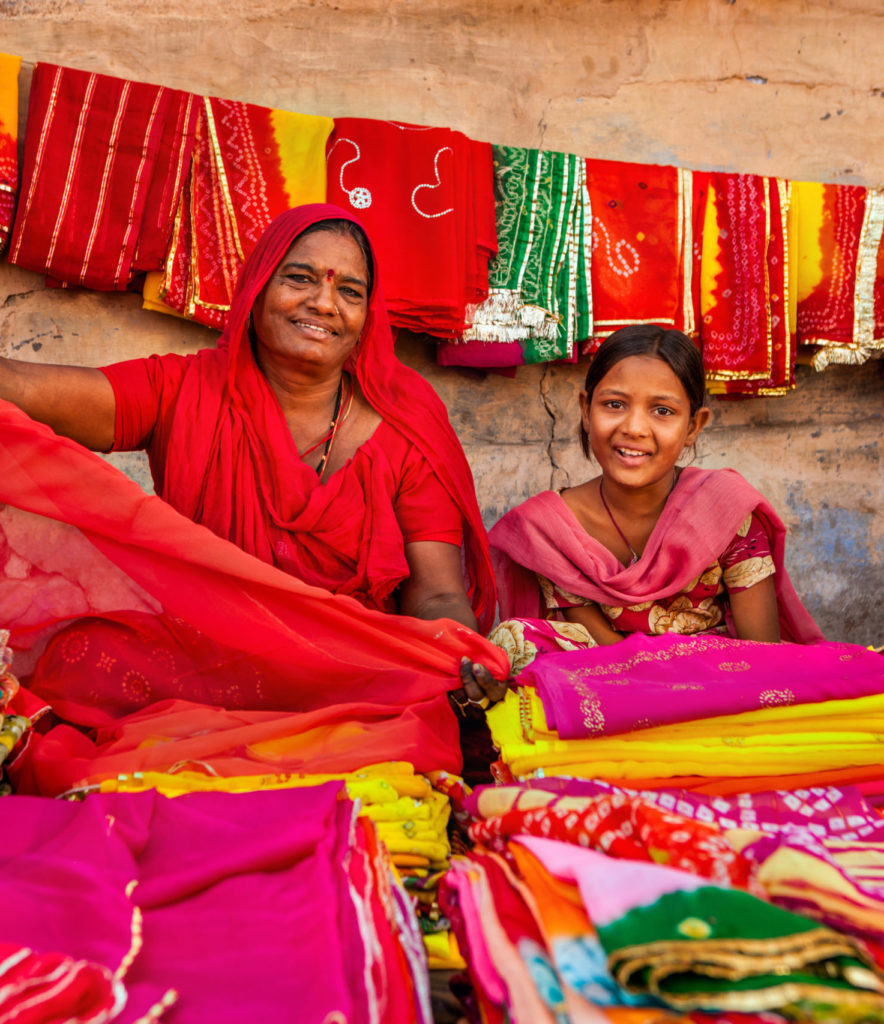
[226, 416]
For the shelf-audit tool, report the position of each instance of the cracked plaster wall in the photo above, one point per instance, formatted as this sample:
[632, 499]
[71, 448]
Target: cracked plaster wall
[794, 88]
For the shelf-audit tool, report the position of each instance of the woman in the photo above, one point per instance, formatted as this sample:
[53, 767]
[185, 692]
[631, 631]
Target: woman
[303, 441]
[645, 546]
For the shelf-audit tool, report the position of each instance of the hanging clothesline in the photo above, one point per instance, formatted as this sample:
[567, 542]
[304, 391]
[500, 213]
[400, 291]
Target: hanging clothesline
[503, 255]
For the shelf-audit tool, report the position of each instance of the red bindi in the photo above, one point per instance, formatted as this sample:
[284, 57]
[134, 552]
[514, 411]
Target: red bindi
[329, 274]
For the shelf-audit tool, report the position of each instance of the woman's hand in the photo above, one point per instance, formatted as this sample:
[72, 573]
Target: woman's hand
[479, 689]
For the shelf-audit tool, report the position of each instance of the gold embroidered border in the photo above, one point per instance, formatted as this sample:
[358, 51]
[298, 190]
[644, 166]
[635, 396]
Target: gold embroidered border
[867, 269]
[109, 161]
[51, 108]
[686, 246]
[72, 167]
[129, 242]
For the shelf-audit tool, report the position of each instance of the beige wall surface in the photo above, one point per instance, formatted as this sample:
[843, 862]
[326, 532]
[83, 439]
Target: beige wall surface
[786, 87]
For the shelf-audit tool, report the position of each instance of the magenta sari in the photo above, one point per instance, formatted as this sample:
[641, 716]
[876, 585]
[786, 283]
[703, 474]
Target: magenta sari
[230, 906]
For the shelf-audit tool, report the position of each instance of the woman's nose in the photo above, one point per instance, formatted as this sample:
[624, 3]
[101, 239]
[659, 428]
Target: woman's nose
[323, 297]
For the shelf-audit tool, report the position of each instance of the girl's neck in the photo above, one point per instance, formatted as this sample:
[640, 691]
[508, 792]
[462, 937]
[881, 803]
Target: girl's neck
[638, 503]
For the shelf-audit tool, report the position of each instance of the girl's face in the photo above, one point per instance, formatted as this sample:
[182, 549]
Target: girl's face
[639, 421]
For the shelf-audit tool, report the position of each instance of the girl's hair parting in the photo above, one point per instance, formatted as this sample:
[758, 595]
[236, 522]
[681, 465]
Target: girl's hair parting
[675, 349]
[340, 226]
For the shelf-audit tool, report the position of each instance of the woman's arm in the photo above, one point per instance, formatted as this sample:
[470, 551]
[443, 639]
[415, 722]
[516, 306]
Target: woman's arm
[755, 612]
[594, 622]
[75, 401]
[434, 590]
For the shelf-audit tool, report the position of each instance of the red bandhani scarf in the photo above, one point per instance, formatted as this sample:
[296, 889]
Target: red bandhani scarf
[641, 246]
[245, 160]
[427, 197]
[699, 520]
[747, 299]
[103, 158]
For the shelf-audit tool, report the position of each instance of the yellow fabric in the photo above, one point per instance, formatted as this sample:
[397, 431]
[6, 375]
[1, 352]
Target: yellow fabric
[442, 952]
[9, 69]
[769, 741]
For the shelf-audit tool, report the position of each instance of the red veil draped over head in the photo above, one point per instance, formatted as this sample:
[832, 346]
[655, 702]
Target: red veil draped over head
[157, 642]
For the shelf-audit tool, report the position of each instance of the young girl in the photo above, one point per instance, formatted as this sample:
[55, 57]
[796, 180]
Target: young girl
[645, 546]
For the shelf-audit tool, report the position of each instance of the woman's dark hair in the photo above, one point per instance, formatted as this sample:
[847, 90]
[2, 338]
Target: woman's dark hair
[340, 226]
[677, 350]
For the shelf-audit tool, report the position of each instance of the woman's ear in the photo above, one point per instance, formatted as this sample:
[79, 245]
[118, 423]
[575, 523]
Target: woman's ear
[698, 421]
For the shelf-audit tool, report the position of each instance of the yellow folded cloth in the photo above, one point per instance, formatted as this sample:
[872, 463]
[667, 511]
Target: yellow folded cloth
[769, 741]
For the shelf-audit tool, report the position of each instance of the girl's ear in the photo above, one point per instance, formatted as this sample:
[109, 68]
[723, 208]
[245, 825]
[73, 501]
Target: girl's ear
[584, 410]
[698, 421]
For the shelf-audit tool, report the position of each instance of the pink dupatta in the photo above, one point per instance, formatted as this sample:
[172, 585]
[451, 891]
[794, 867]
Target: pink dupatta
[700, 519]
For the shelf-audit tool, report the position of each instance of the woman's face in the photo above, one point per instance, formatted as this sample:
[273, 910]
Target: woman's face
[311, 311]
[639, 421]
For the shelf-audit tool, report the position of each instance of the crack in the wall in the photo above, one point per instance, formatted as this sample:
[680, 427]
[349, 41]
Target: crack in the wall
[558, 475]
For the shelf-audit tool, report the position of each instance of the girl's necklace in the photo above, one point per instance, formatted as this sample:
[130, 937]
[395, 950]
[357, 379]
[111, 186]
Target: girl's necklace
[632, 551]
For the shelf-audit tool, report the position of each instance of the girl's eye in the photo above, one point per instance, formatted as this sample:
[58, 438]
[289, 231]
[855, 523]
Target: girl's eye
[663, 410]
[613, 403]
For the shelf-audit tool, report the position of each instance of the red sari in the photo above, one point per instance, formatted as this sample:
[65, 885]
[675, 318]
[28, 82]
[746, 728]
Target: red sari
[191, 649]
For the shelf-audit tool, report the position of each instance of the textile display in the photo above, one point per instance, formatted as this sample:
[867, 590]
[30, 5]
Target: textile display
[700, 518]
[249, 165]
[426, 197]
[136, 882]
[539, 301]
[697, 945]
[103, 159]
[771, 741]
[816, 851]
[9, 69]
[625, 686]
[839, 247]
[642, 242]
[747, 322]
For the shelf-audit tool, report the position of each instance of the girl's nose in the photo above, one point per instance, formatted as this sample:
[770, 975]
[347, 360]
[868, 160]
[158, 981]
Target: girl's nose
[636, 423]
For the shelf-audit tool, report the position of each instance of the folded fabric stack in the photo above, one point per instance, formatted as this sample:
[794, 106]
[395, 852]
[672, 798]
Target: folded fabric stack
[554, 931]
[539, 303]
[409, 815]
[778, 716]
[138, 902]
[425, 196]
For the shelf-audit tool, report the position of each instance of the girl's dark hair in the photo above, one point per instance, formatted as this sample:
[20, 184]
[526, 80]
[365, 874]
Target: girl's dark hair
[340, 226]
[677, 350]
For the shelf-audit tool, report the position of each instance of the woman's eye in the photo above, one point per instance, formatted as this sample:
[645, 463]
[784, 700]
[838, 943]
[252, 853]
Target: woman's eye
[614, 404]
[663, 410]
[298, 278]
[352, 293]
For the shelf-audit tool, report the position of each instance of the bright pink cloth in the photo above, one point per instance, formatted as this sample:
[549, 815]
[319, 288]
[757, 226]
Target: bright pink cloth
[244, 900]
[718, 676]
[700, 519]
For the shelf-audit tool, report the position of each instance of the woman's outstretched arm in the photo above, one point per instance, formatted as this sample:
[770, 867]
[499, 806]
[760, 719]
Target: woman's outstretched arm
[75, 401]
